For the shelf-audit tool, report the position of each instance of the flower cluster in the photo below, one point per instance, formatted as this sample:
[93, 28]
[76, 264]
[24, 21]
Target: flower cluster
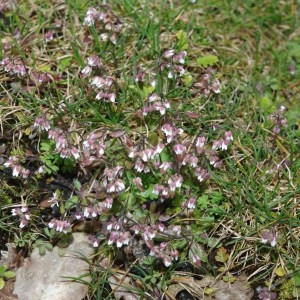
[269, 236]
[278, 120]
[112, 180]
[265, 294]
[14, 163]
[117, 233]
[208, 83]
[42, 123]
[155, 103]
[103, 84]
[143, 158]
[111, 23]
[163, 252]
[173, 63]
[23, 214]
[93, 147]
[15, 66]
[63, 144]
[59, 225]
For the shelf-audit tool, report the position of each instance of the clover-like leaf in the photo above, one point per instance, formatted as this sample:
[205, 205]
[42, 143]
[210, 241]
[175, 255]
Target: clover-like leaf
[207, 60]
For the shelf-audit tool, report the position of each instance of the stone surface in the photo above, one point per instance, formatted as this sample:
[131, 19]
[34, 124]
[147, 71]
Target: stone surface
[41, 277]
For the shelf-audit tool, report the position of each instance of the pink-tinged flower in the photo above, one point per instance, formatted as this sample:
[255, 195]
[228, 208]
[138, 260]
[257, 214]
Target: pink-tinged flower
[177, 230]
[86, 71]
[196, 260]
[95, 241]
[95, 61]
[139, 166]
[42, 123]
[161, 227]
[175, 254]
[23, 222]
[167, 129]
[41, 170]
[14, 212]
[166, 191]
[175, 181]
[179, 70]
[215, 86]
[148, 234]
[107, 97]
[146, 155]
[217, 144]
[117, 186]
[201, 174]
[12, 160]
[61, 142]
[138, 182]
[58, 23]
[265, 236]
[19, 68]
[154, 97]
[273, 239]
[200, 142]
[213, 159]
[108, 202]
[171, 74]
[54, 199]
[179, 149]
[24, 215]
[90, 212]
[48, 36]
[65, 153]
[228, 136]
[92, 15]
[269, 236]
[157, 189]
[59, 225]
[113, 237]
[167, 261]
[180, 57]
[16, 170]
[191, 204]
[53, 133]
[79, 215]
[140, 74]
[123, 239]
[160, 107]
[99, 82]
[169, 53]
[165, 166]
[75, 152]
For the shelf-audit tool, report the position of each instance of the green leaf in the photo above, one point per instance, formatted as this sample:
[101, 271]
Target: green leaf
[77, 184]
[182, 38]
[230, 279]
[9, 274]
[203, 201]
[49, 246]
[207, 60]
[2, 283]
[42, 249]
[147, 90]
[222, 255]
[2, 270]
[64, 63]
[71, 202]
[139, 213]
[296, 278]
[197, 249]
[280, 272]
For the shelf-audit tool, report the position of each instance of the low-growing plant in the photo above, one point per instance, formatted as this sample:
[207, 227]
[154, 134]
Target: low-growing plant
[5, 274]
